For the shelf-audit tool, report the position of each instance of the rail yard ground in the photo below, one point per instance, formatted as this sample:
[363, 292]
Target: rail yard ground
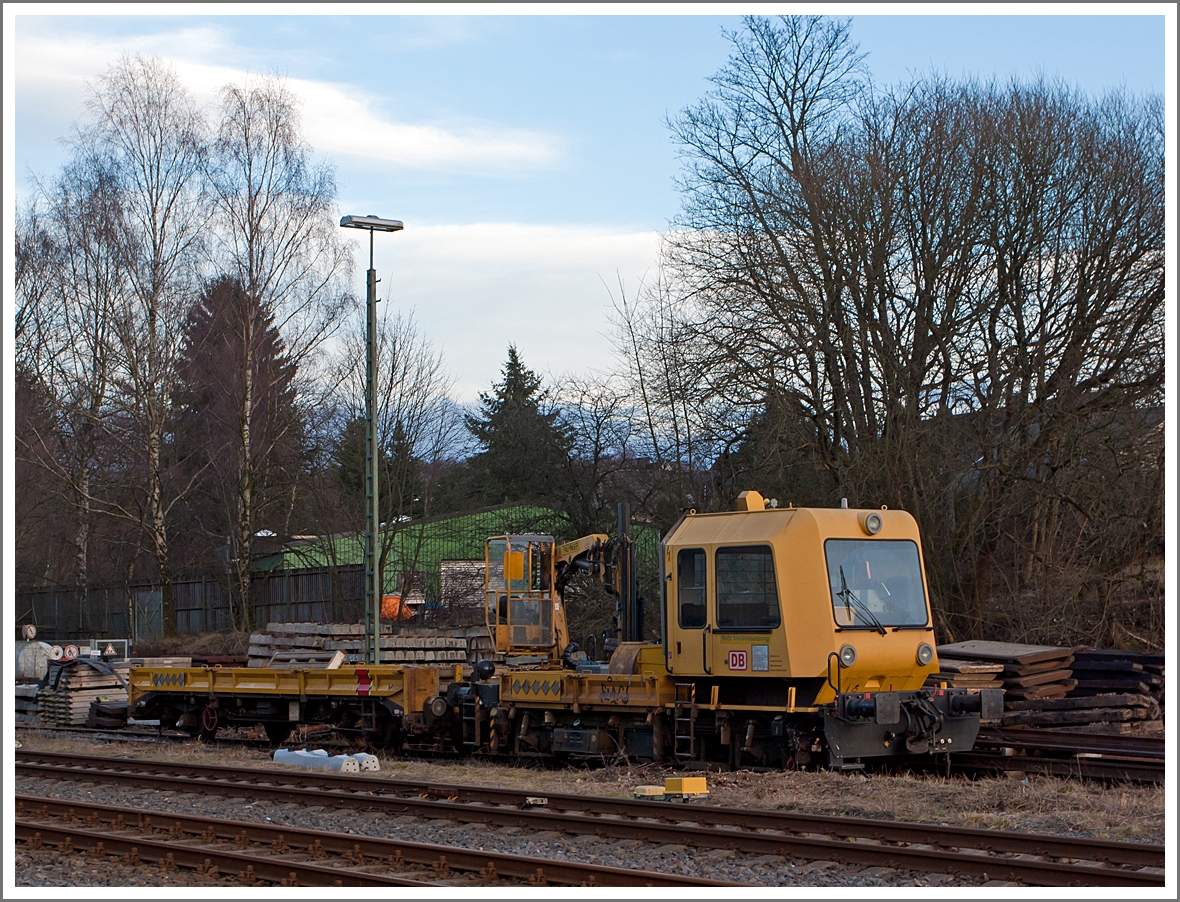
[1035, 804]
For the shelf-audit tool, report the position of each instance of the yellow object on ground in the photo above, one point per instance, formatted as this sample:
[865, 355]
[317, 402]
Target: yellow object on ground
[685, 786]
[673, 788]
[648, 792]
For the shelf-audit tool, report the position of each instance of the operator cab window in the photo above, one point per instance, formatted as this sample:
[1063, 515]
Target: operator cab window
[876, 583]
[690, 585]
[747, 596]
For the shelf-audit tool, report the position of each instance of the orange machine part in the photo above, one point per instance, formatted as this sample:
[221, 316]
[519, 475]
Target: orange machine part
[393, 609]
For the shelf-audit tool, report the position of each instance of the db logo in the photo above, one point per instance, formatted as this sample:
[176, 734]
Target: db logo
[737, 660]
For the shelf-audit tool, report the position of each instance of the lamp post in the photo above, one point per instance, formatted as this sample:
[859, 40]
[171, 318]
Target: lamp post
[372, 448]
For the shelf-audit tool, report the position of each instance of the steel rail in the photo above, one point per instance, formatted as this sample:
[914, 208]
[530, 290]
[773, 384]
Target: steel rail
[168, 854]
[1043, 740]
[990, 739]
[868, 848]
[132, 734]
[1105, 767]
[356, 849]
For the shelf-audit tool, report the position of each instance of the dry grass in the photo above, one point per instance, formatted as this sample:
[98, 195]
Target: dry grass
[1039, 804]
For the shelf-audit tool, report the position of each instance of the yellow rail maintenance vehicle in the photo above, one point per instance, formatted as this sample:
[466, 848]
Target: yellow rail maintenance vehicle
[790, 638]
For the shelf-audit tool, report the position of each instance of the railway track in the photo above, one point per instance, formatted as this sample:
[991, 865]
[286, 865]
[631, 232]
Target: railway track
[139, 734]
[1085, 756]
[1027, 858]
[1150, 747]
[289, 856]
[1029, 738]
[1138, 759]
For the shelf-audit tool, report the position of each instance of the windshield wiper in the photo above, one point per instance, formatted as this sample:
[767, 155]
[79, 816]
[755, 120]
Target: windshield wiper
[845, 594]
[848, 597]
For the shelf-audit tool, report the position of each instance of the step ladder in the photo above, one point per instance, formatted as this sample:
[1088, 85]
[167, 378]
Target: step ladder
[684, 721]
[469, 720]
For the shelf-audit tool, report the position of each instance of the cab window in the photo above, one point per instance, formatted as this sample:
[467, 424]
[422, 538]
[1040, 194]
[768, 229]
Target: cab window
[747, 597]
[875, 583]
[690, 587]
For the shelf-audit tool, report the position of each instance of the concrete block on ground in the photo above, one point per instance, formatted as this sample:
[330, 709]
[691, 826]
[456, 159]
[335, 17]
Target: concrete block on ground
[318, 759]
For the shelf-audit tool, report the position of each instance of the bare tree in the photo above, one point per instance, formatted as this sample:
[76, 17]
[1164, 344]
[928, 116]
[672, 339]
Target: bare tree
[37, 259]
[418, 424]
[38, 264]
[144, 130]
[681, 420]
[278, 238]
[948, 294]
[598, 416]
[87, 215]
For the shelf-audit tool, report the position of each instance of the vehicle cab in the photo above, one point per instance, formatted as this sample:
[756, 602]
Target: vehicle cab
[817, 597]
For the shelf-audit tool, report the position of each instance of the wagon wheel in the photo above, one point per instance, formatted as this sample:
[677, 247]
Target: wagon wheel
[209, 723]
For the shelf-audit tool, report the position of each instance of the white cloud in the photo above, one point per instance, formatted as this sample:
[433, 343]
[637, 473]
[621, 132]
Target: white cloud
[478, 288]
[338, 119]
[343, 120]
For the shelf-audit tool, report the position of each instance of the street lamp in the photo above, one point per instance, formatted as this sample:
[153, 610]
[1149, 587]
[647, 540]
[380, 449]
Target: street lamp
[372, 512]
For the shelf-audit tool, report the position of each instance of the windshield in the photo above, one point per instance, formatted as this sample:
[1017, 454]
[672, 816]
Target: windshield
[875, 583]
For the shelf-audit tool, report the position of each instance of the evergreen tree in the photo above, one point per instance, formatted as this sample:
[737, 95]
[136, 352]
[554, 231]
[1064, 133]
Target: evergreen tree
[238, 420]
[349, 463]
[401, 481]
[525, 448]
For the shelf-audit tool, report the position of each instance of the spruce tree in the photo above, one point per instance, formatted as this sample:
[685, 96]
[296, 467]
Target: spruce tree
[237, 422]
[525, 448]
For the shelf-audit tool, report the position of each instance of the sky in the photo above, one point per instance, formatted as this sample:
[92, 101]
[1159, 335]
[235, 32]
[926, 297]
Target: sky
[527, 155]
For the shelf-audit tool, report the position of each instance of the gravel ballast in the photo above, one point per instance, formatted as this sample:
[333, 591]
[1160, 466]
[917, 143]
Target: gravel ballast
[42, 868]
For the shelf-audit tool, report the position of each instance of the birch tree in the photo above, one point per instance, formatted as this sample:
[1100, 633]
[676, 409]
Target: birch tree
[144, 129]
[277, 236]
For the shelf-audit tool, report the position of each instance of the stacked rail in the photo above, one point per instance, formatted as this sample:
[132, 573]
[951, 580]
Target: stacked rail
[1060, 753]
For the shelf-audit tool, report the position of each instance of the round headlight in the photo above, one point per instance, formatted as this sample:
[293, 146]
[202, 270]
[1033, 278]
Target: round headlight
[873, 523]
[847, 656]
[437, 706]
[925, 654]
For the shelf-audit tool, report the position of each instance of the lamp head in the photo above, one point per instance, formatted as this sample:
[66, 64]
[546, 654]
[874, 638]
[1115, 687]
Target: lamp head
[372, 223]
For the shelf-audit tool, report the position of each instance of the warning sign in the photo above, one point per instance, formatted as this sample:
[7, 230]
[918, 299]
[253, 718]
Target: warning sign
[109, 651]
